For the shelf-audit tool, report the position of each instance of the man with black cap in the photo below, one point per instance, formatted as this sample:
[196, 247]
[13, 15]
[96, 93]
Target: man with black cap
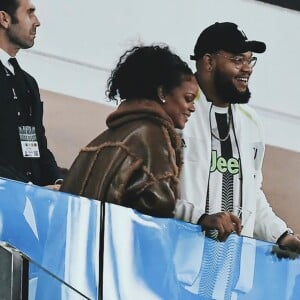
[224, 146]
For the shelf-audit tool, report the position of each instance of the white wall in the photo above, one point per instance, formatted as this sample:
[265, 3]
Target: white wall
[80, 41]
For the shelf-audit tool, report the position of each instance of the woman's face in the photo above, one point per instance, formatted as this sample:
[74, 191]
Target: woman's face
[180, 101]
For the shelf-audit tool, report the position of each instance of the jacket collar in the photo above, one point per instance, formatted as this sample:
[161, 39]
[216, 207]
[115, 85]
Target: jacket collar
[137, 109]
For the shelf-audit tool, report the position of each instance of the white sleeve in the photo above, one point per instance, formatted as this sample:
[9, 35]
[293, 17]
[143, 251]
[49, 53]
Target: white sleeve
[196, 165]
[268, 226]
[188, 212]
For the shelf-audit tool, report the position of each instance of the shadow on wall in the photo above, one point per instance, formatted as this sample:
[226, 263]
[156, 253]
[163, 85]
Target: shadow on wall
[71, 123]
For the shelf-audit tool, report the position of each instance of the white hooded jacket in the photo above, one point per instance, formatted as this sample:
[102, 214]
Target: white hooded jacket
[261, 223]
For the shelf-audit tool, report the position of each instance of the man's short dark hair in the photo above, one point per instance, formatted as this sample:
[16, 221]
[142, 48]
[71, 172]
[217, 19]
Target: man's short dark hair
[10, 6]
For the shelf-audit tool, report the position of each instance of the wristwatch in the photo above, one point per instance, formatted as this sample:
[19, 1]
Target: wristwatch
[59, 181]
[287, 232]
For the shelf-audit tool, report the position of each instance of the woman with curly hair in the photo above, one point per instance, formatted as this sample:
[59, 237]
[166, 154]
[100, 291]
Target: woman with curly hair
[136, 162]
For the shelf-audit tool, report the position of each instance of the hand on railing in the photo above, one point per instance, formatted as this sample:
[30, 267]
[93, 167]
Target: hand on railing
[224, 222]
[53, 187]
[283, 252]
[291, 242]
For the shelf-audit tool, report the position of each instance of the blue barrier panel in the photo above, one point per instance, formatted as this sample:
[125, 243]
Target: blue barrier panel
[145, 258]
[50, 227]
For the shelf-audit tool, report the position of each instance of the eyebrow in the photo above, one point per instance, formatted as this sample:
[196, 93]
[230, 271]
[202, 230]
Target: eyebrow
[31, 9]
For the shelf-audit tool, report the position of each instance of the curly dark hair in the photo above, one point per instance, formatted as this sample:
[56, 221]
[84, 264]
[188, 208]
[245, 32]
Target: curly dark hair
[10, 6]
[142, 70]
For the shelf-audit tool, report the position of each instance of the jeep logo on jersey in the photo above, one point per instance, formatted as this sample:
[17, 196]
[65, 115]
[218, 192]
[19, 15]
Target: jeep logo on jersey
[232, 165]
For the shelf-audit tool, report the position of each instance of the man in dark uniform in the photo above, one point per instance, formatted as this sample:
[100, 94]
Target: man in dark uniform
[24, 155]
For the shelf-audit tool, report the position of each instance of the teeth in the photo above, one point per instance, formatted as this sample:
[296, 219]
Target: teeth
[243, 79]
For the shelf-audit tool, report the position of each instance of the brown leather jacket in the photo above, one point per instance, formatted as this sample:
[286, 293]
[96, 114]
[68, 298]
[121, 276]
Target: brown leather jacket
[135, 163]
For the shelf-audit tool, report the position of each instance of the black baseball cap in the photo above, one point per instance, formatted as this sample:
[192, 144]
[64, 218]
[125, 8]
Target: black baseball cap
[225, 36]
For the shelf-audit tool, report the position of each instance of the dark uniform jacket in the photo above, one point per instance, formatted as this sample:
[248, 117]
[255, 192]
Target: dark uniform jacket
[135, 163]
[44, 169]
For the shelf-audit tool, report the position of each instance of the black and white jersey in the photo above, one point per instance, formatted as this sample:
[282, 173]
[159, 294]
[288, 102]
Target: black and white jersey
[224, 180]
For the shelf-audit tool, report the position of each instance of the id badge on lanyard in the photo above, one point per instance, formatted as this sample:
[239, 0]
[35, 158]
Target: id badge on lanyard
[29, 143]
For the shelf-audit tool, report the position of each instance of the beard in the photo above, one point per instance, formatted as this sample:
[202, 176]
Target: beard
[15, 36]
[226, 89]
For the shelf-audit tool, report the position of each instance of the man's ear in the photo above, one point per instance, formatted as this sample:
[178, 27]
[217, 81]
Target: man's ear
[208, 62]
[5, 19]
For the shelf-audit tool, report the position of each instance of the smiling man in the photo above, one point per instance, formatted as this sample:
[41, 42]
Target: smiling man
[224, 146]
[24, 154]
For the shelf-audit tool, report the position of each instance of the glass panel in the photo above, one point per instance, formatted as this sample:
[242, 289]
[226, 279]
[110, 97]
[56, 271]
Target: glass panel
[56, 230]
[144, 258]
[44, 285]
[168, 259]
